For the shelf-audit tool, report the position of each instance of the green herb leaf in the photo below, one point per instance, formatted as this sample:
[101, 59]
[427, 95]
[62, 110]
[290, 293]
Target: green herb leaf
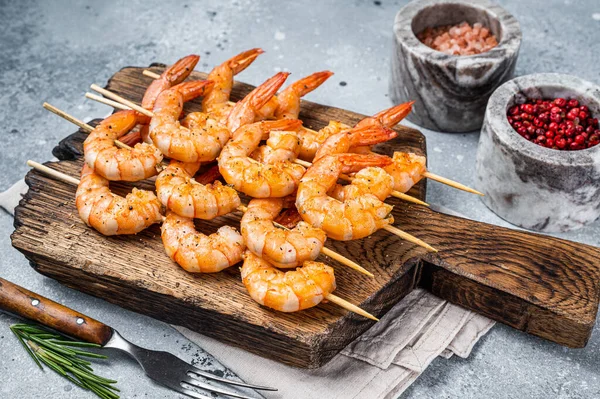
[58, 353]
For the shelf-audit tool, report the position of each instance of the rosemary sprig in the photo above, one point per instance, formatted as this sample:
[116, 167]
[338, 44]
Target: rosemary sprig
[59, 353]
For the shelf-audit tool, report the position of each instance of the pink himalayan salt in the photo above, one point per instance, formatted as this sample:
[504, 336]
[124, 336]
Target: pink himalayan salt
[461, 39]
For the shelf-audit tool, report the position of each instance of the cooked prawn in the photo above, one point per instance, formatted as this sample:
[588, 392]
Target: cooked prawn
[114, 163]
[216, 102]
[254, 178]
[246, 110]
[111, 214]
[196, 252]
[282, 248]
[180, 193]
[198, 138]
[286, 105]
[171, 76]
[280, 146]
[311, 141]
[407, 170]
[288, 291]
[371, 180]
[352, 219]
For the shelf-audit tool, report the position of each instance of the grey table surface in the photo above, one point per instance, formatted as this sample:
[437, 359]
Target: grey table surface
[53, 51]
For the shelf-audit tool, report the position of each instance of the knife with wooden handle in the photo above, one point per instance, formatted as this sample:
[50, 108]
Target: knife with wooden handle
[24, 303]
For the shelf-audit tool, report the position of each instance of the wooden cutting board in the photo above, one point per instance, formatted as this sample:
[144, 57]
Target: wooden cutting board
[542, 285]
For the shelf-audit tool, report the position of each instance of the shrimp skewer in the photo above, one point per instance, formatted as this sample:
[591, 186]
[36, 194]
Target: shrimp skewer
[282, 248]
[196, 252]
[293, 290]
[111, 214]
[232, 251]
[251, 177]
[114, 163]
[179, 192]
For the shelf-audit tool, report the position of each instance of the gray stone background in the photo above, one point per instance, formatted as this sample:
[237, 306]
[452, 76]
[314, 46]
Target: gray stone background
[53, 51]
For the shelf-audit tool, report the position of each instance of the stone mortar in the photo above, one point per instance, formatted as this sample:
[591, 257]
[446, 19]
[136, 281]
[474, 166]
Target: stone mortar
[535, 187]
[450, 91]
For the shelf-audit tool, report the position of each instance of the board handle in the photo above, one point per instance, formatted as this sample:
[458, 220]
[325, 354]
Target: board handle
[19, 301]
[544, 285]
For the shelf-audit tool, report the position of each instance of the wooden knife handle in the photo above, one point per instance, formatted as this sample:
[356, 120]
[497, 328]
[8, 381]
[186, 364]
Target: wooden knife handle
[19, 301]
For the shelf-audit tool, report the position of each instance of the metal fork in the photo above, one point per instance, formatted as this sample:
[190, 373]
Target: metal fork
[163, 367]
[170, 371]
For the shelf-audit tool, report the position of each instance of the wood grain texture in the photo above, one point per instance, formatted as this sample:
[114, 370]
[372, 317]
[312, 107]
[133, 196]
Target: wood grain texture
[542, 285]
[19, 301]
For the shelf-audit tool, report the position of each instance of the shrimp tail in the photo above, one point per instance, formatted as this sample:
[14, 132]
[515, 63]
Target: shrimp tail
[243, 60]
[171, 76]
[355, 162]
[392, 116]
[305, 85]
[193, 89]
[180, 70]
[263, 93]
[371, 135]
[282, 124]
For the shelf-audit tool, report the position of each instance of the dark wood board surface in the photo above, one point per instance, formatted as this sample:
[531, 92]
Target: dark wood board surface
[545, 286]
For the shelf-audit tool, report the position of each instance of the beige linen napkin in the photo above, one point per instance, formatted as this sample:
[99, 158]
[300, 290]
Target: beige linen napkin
[381, 363]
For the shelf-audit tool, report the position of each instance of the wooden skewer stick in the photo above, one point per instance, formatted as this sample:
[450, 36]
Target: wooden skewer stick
[348, 306]
[53, 173]
[106, 101]
[326, 251]
[131, 105]
[451, 183]
[71, 180]
[408, 237]
[78, 122]
[396, 194]
[120, 99]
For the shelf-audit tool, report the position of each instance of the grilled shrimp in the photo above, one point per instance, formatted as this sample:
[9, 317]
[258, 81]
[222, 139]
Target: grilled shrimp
[282, 248]
[198, 138]
[179, 192]
[171, 76]
[216, 102]
[196, 252]
[286, 105]
[352, 219]
[371, 180]
[111, 214]
[246, 110]
[311, 141]
[288, 291]
[254, 178]
[280, 146]
[406, 170]
[114, 163]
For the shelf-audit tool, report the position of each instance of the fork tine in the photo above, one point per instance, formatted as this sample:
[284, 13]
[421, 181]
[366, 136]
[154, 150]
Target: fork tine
[199, 384]
[191, 393]
[226, 381]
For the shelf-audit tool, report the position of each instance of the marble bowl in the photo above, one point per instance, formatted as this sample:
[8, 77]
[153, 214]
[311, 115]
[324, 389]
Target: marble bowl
[531, 186]
[450, 91]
